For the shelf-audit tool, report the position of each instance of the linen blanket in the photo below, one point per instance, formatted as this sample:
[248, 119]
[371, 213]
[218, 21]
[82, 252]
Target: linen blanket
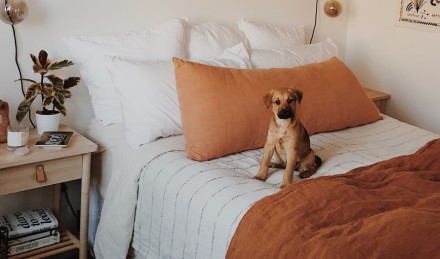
[387, 210]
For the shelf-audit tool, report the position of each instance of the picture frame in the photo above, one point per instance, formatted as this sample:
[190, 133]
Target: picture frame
[422, 15]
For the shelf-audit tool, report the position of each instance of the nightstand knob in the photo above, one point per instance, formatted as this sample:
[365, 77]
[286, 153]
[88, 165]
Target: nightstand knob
[39, 174]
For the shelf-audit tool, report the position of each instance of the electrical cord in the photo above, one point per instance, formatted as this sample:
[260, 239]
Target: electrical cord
[16, 62]
[64, 190]
[316, 18]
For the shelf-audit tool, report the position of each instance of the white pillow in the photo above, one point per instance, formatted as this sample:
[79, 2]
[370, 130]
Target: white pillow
[294, 56]
[209, 40]
[147, 91]
[160, 42]
[269, 36]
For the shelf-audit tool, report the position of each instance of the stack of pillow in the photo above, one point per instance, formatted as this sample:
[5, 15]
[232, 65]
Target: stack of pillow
[132, 80]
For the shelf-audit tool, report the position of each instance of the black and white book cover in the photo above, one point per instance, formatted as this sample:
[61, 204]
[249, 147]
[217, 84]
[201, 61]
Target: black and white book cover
[28, 222]
[54, 139]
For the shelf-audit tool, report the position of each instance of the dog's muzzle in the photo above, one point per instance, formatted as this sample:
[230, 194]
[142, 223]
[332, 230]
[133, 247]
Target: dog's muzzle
[285, 114]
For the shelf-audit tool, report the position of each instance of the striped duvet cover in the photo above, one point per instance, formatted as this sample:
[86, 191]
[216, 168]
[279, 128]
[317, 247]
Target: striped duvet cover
[167, 206]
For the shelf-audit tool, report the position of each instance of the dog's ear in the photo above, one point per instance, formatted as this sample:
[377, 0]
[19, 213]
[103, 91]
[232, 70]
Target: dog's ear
[297, 93]
[267, 99]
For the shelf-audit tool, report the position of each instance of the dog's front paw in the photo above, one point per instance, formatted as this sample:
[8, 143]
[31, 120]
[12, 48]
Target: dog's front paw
[257, 177]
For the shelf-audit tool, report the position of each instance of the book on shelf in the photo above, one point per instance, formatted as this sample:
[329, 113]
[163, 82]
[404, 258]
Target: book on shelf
[28, 222]
[34, 241]
[54, 139]
[31, 237]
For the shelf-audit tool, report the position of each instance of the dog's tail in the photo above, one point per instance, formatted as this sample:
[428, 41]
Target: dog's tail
[318, 161]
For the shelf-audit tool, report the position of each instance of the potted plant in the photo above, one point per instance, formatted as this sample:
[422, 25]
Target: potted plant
[52, 89]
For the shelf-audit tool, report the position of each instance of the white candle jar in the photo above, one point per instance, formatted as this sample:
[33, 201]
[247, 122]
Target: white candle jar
[18, 136]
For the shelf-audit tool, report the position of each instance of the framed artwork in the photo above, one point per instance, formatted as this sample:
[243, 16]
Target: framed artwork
[420, 14]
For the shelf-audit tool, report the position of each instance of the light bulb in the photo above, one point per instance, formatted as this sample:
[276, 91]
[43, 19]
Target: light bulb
[332, 8]
[13, 11]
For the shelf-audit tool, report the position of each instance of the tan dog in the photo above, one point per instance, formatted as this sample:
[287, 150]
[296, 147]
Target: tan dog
[287, 138]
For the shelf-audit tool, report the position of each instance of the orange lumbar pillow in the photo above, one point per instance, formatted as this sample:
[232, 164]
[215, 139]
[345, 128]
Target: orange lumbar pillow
[223, 113]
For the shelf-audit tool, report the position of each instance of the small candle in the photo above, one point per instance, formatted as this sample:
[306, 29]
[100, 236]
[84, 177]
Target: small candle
[18, 136]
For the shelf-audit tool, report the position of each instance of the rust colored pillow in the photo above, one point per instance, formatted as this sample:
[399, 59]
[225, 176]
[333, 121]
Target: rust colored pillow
[223, 112]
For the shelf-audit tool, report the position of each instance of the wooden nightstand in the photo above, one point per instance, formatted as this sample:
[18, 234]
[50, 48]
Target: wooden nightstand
[60, 165]
[380, 99]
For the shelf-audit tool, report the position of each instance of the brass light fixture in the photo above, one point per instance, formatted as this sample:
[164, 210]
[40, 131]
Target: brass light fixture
[13, 11]
[332, 8]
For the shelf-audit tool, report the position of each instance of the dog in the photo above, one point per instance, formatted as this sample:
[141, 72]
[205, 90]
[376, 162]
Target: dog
[287, 138]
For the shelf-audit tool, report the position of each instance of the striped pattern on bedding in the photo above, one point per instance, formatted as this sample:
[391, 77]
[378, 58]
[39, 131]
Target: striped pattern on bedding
[189, 209]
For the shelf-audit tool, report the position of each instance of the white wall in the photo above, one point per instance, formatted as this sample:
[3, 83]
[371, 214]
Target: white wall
[401, 61]
[49, 21]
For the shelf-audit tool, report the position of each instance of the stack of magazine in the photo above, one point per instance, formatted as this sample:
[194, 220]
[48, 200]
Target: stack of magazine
[29, 230]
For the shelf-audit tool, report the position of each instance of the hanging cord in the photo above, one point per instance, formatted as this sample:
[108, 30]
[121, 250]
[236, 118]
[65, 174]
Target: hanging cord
[314, 26]
[16, 59]
[64, 190]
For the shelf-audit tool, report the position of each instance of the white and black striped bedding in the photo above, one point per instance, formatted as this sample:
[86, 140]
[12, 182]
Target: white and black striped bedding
[180, 208]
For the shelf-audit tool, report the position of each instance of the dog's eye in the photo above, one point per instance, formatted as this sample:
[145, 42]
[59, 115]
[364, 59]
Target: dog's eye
[289, 100]
[277, 102]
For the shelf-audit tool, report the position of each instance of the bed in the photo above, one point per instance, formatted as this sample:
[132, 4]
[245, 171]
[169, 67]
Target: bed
[175, 177]
[181, 208]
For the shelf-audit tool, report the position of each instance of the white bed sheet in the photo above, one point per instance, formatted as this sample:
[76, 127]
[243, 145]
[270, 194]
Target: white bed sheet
[109, 139]
[165, 205]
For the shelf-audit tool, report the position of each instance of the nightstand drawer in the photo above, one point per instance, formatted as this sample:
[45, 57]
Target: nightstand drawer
[19, 178]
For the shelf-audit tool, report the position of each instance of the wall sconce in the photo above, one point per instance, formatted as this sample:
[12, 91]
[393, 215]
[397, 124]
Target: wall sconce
[13, 11]
[332, 8]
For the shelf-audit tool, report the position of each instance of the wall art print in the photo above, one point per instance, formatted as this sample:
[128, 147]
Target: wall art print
[420, 14]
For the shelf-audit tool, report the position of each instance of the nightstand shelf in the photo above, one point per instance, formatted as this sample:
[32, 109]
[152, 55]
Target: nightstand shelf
[68, 242]
[379, 98]
[60, 165]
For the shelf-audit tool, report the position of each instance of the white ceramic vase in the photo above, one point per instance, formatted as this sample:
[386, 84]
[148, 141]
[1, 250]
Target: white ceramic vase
[49, 122]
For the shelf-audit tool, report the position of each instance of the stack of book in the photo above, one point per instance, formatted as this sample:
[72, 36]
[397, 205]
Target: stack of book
[29, 230]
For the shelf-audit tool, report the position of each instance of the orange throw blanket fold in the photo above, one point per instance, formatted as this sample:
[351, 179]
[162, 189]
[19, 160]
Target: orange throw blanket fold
[387, 210]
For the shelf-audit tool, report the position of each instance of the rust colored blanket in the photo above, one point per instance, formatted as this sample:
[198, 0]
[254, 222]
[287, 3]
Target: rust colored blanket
[387, 210]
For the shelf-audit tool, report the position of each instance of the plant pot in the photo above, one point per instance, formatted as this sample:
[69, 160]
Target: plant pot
[47, 122]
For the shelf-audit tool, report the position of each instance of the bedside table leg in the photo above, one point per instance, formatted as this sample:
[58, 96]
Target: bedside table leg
[85, 188]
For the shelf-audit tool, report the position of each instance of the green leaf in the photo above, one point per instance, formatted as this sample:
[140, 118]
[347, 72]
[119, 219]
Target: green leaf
[65, 93]
[23, 108]
[48, 90]
[48, 100]
[71, 82]
[55, 80]
[38, 69]
[42, 57]
[32, 91]
[35, 60]
[59, 97]
[60, 107]
[60, 64]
